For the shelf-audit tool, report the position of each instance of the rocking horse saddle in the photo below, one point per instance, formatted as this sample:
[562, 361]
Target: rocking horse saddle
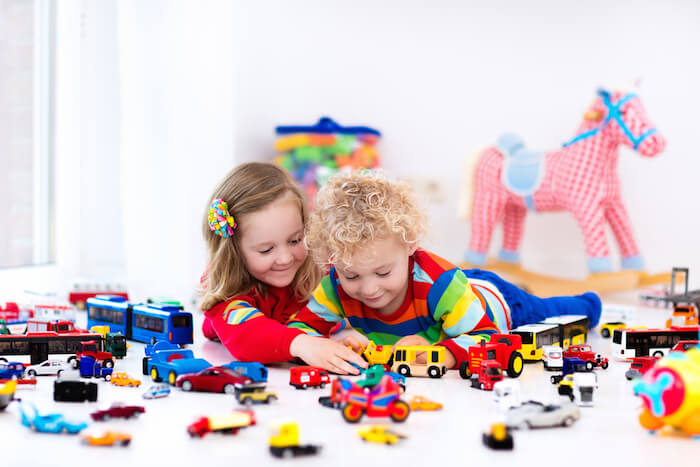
[523, 170]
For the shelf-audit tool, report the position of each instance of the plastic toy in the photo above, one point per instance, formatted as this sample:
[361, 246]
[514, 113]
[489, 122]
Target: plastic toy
[215, 379]
[419, 360]
[107, 438]
[53, 312]
[670, 393]
[100, 329]
[533, 414]
[372, 376]
[417, 403]
[156, 391]
[172, 363]
[380, 434]
[7, 393]
[118, 410]
[378, 354]
[255, 395]
[302, 377]
[585, 353]
[607, 329]
[506, 394]
[503, 348]
[52, 423]
[639, 366]
[284, 442]
[629, 343]
[74, 391]
[489, 373]
[253, 370]
[141, 322]
[571, 365]
[150, 349]
[312, 154]
[683, 346]
[225, 423]
[123, 379]
[381, 401]
[21, 383]
[115, 343]
[584, 388]
[509, 179]
[339, 390]
[92, 350]
[552, 357]
[498, 437]
[12, 370]
[4, 330]
[10, 313]
[89, 368]
[683, 315]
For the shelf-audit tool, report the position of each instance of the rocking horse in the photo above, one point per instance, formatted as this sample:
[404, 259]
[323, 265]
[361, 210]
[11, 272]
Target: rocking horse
[581, 177]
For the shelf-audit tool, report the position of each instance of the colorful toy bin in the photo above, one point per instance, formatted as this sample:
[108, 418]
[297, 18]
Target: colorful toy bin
[312, 154]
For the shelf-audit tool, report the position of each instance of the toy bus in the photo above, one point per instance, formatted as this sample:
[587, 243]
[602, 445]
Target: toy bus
[140, 322]
[534, 337]
[630, 343]
[573, 329]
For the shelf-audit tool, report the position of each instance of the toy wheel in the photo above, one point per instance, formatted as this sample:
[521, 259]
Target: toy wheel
[31, 373]
[400, 411]
[464, 371]
[248, 401]
[515, 364]
[108, 363]
[605, 365]
[270, 399]
[304, 386]
[568, 421]
[287, 453]
[125, 442]
[108, 377]
[605, 333]
[404, 370]
[571, 397]
[172, 378]
[353, 413]
[144, 365]
[186, 385]
[154, 375]
[73, 362]
[229, 389]
[658, 353]
[323, 385]
[60, 372]
[481, 386]
[590, 365]
[434, 372]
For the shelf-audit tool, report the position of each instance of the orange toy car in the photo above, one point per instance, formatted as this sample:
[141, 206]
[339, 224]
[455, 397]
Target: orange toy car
[122, 379]
[421, 403]
[108, 438]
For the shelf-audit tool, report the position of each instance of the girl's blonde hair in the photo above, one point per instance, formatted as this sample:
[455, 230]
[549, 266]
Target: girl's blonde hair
[246, 189]
[357, 207]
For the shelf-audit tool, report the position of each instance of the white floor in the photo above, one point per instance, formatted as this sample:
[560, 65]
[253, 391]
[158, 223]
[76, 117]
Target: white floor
[607, 433]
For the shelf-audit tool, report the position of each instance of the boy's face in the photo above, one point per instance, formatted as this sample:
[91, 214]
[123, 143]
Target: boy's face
[378, 276]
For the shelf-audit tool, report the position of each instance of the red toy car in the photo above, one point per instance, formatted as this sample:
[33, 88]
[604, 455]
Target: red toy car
[302, 377]
[585, 353]
[682, 346]
[215, 379]
[640, 365]
[384, 400]
[118, 411]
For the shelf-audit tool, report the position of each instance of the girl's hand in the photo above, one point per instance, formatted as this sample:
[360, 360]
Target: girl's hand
[326, 353]
[352, 338]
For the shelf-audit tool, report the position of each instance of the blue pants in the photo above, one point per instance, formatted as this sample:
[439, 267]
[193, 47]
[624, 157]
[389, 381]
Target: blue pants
[527, 309]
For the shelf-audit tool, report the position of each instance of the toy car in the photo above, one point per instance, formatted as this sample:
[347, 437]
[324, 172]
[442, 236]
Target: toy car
[607, 329]
[682, 346]
[74, 391]
[533, 414]
[226, 423]
[7, 393]
[253, 370]
[123, 379]
[12, 370]
[506, 394]
[302, 377]
[498, 437]
[284, 442]
[585, 353]
[379, 434]
[247, 396]
[157, 391]
[552, 357]
[421, 403]
[118, 410]
[640, 365]
[47, 367]
[52, 423]
[215, 379]
[108, 438]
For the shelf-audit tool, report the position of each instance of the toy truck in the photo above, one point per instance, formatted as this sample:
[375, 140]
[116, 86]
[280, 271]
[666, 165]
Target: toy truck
[74, 391]
[378, 354]
[507, 394]
[153, 348]
[115, 342]
[585, 385]
[571, 365]
[489, 373]
[59, 327]
[173, 363]
[7, 393]
[503, 348]
[89, 368]
[585, 353]
[640, 365]
[224, 423]
[302, 377]
[284, 442]
[89, 349]
[683, 315]
[552, 357]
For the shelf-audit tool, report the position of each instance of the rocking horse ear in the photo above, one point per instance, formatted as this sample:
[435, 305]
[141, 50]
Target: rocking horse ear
[603, 93]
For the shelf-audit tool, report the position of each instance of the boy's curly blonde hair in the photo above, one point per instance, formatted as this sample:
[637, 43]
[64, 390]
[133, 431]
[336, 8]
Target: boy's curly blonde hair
[355, 208]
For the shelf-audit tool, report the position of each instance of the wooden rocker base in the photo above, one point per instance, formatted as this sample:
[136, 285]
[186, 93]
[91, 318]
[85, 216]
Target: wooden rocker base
[545, 286]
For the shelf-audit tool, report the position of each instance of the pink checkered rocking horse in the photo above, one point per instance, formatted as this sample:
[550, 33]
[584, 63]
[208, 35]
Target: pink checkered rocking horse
[580, 177]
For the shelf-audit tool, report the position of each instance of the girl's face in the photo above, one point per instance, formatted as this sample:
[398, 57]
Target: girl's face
[272, 241]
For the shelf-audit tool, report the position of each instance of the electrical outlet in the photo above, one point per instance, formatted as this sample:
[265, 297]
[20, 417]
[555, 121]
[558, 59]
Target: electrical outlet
[428, 189]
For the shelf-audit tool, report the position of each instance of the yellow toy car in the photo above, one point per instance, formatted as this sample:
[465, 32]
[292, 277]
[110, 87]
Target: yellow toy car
[122, 379]
[379, 434]
[421, 403]
[607, 329]
[108, 438]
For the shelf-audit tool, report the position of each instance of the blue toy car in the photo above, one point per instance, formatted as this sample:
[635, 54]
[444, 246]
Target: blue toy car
[11, 369]
[153, 348]
[253, 370]
[156, 391]
[169, 364]
[53, 423]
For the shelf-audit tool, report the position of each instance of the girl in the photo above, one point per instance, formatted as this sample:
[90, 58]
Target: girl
[259, 273]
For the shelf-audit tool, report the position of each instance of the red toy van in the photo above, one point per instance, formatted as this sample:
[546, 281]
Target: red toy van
[302, 377]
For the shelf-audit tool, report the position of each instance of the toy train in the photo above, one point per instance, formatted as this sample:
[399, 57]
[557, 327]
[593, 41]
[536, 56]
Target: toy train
[142, 322]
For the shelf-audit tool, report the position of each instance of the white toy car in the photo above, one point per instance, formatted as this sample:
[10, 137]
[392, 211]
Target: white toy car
[552, 357]
[533, 414]
[47, 367]
[506, 394]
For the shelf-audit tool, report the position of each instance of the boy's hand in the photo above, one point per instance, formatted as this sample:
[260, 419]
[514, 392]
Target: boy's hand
[326, 353]
[412, 340]
[450, 360]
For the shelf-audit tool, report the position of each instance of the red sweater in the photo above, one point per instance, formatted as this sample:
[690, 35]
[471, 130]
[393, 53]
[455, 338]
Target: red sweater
[252, 327]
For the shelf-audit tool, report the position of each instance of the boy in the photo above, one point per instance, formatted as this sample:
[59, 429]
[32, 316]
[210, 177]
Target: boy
[394, 293]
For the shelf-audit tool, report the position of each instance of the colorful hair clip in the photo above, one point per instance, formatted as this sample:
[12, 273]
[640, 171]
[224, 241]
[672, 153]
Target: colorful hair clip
[220, 220]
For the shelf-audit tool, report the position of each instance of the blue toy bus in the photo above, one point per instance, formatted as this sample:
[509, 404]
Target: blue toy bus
[141, 322]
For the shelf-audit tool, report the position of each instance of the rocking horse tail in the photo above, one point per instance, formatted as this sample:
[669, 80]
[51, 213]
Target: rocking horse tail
[465, 202]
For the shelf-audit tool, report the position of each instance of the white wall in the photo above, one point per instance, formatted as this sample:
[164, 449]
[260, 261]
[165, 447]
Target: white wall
[443, 79]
